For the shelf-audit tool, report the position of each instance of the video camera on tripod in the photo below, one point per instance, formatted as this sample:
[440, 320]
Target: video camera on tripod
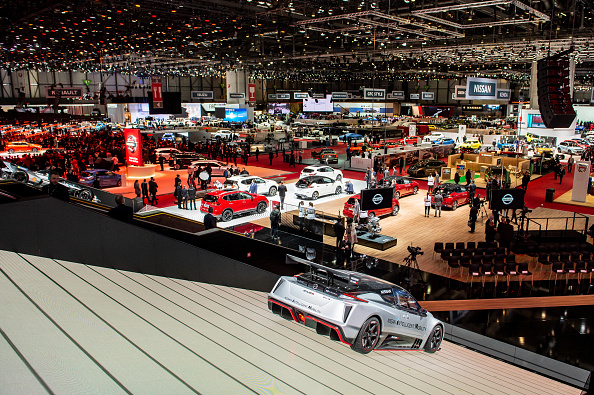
[414, 251]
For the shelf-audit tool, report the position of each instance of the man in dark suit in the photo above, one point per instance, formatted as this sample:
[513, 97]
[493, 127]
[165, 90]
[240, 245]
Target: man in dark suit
[339, 231]
[144, 189]
[121, 211]
[55, 189]
[152, 187]
[210, 220]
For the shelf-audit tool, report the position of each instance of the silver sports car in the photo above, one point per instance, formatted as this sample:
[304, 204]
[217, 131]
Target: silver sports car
[364, 312]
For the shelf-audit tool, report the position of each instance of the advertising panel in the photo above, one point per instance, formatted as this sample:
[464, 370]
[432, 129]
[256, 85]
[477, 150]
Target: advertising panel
[369, 93]
[279, 108]
[581, 178]
[133, 147]
[414, 96]
[428, 95]
[157, 92]
[398, 95]
[236, 114]
[340, 95]
[209, 95]
[481, 88]
[535, 121]
[318, 105]
[459, 92]
[375, 199]
[251, 93]
[504, 199]
[504, 94]
[51, 93]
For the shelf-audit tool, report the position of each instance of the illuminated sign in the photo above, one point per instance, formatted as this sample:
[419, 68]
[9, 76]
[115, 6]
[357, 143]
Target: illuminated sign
[481, 88]
[133, 147]
[237, 95]
[51, 93]
[202, 95]
[340, 95]
[157, 92]
[428, 96]
[398, 95]
[369, 93]
[503, 94]
[414, 96]
[300, 95]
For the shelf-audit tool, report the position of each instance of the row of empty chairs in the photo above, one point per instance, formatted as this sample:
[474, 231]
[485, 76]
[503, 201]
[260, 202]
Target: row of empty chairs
[565, 262]
[467, 249]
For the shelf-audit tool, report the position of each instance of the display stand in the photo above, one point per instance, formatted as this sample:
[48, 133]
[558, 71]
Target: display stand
[146, 171]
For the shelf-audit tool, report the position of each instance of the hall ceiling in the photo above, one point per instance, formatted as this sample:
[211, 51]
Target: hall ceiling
[300, 39]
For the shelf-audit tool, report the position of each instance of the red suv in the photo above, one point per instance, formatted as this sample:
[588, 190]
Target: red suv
[227, 203]
[453, 195]
[402, 186]
[349, 205]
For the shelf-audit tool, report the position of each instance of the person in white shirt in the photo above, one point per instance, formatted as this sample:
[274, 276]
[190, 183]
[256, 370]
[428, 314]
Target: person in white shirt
[430, 183]
[427, 200]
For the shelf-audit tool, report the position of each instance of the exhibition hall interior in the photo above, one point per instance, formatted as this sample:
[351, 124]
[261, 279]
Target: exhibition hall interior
[288, 196]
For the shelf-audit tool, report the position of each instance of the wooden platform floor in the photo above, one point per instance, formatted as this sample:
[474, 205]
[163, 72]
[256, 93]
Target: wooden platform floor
[411, 227]
[73, 328]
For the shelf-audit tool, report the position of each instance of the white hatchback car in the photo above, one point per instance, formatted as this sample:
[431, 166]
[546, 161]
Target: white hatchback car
[322, 170]
[265, 187]
[313, 187]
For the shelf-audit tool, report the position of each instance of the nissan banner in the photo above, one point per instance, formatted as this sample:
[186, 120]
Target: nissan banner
[133, 147]
[481, 89]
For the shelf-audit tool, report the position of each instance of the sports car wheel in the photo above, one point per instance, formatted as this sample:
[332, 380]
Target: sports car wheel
[397, 195]
[119, 183]
[395, 210]
[454, 206]
[272, 191]
[261, 207]
[11, 151]
[86, 195]
[339, 178]
[227, 215]
[338, 190]
[21, 176]
[415, 190]
[434, 339]
[368, 336]
[315, 195]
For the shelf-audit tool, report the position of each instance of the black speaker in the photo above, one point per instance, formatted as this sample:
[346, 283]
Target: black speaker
[554, 98]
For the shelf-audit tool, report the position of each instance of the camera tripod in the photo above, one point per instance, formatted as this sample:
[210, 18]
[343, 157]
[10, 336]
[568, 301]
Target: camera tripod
[412, 267]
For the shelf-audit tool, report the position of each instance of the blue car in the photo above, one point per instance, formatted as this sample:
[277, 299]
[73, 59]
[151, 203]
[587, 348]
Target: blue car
[168, 137]
[507, 145]
[353, 136]
[106, 178]
[445, 141]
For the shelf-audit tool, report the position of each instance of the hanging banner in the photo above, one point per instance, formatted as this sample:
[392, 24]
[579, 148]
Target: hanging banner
[369, 93]
[237, 95]
[428, 96]
[202, 95]
[459, 92]
[340, 95]
[283, 96]
[398, 95]
[414, 96]
[50, 93]
[157, 92]
[503, 94]
[300, 95]
[581, 178]
[133, 147]
[481, 88]
[252, 93]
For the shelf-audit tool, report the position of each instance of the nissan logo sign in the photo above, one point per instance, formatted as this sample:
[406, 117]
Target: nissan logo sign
[507, 199]
[377, 199]
[131, 144]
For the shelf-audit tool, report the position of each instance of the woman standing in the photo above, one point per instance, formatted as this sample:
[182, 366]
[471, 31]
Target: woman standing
[427, 200]
[351, 233]
[301, 209]
[137, 188]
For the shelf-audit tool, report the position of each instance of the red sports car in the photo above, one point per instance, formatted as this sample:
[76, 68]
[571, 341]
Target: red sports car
[402, 186]
[407, 141]
[227, 203]
[454, 195]
[349, 205]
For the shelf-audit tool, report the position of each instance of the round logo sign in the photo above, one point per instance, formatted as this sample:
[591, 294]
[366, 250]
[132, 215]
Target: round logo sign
[377, 198]
[132, 144]
[507, 199]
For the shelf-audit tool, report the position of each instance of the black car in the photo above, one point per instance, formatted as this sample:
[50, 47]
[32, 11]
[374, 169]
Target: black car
[183, 160]
[426, 167]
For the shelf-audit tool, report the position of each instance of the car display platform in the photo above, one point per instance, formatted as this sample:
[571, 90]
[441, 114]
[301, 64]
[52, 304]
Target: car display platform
[378, 241]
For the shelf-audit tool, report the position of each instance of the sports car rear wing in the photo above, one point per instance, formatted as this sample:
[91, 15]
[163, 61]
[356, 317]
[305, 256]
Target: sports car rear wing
[324, 275]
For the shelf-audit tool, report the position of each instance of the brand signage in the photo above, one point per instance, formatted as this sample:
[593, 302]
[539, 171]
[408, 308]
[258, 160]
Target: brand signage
[133, 147]
[202, 95]
[51, 93]
[472, 108]
[414, 96]
[271, 96]
[318, 96]
[481, 88]
[503, 94]
[369, 93]
[87, 82]
[210, 107]
[283, 96]
[237, 95]
[340, 95]
[301, 95]
[580, 181]
[428, 96]
[252, 93]
[459, 92]
[157, 92]
[398, 95]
